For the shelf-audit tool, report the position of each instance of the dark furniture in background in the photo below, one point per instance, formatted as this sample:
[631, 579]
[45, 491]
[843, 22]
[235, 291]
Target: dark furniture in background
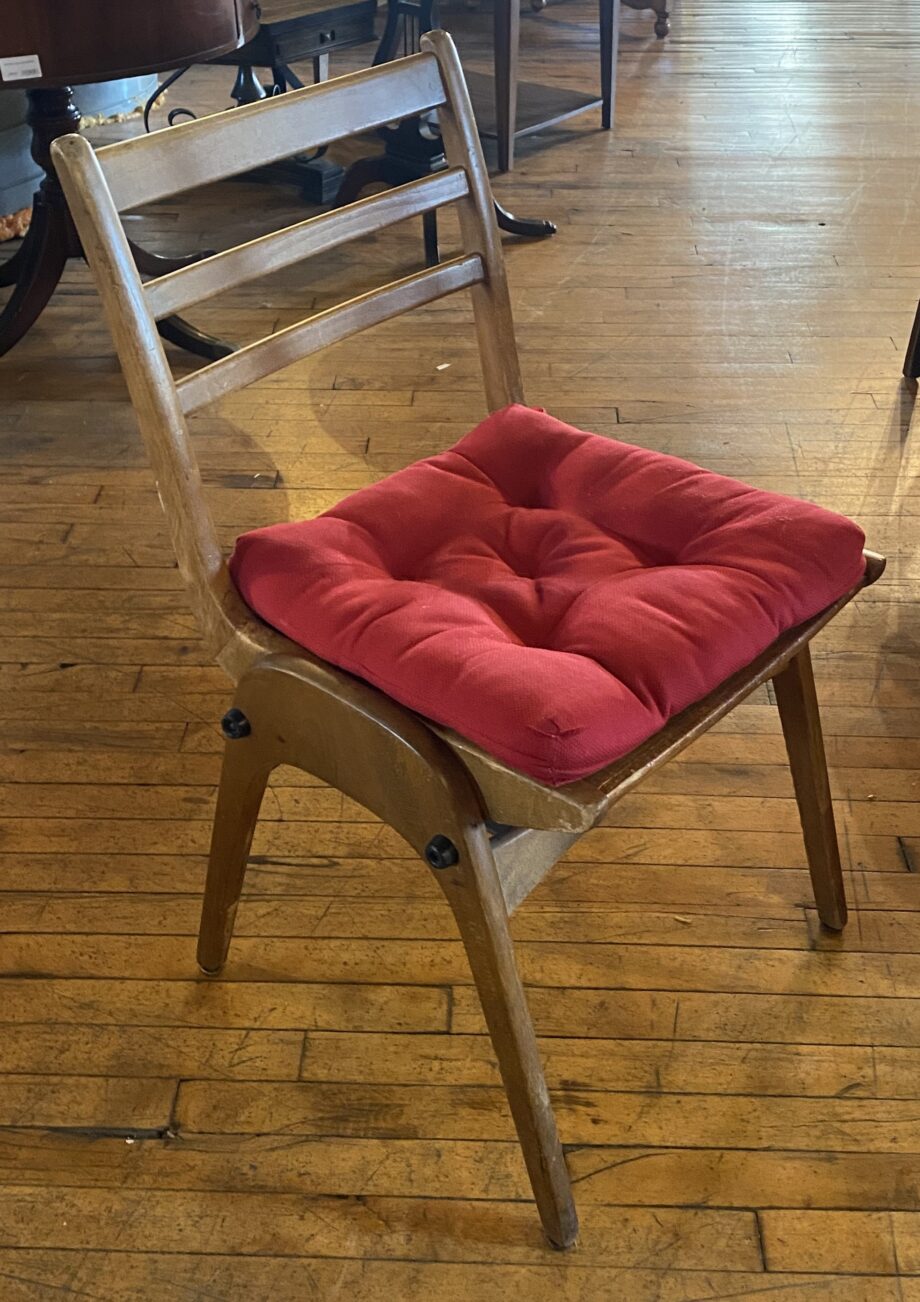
[125, 38]
[290, 31]
[662, 17]
[413, 148]
[507, 109]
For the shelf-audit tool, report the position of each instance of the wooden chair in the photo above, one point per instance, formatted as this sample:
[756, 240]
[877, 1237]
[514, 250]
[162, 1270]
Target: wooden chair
[489, 833]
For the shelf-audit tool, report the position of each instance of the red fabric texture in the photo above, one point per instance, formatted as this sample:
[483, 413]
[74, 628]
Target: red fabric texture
[553, 596]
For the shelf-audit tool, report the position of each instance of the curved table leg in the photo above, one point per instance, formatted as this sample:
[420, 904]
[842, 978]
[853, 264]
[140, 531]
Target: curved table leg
[11, 270]
[177, 331]
[39, 264]
[368, 171]
[362, 173]
[36, 267]
[154, 264]
[174, 329]
[532, 227]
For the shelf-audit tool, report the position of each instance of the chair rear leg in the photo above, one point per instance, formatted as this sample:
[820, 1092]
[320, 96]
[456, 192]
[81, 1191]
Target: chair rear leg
[243, 778]
[474, 893]
[798, 711]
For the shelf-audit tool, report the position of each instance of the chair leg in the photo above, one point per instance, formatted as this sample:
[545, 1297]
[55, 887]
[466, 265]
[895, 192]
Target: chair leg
[243, 778]
[610, 40]
[293, 711]
[798, 711]
[474, 893]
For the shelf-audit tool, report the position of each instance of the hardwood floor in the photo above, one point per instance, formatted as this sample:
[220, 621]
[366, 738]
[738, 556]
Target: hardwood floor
[734, 280]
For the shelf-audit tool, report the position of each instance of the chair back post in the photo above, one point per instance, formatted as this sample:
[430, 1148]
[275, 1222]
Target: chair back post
[491, 301]
[148, 168]
[153, 393]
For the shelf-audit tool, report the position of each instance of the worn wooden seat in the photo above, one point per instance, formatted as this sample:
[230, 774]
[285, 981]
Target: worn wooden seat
[489, 833]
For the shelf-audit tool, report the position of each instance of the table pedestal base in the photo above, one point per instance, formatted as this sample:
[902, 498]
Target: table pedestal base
[35, 269]
[317, 177]
[410, 155]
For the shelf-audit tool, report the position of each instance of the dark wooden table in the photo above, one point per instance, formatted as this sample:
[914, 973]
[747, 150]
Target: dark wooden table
[291, 31]
[123, 38]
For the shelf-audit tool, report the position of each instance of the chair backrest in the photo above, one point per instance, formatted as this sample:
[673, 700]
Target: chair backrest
[101, 184]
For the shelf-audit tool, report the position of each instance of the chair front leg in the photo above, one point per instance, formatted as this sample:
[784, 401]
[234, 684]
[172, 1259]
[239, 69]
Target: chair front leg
[801, 720]
[243, 778]
[470, 882]
[297, 711]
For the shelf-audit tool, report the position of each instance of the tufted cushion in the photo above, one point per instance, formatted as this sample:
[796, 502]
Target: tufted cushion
[552, 595]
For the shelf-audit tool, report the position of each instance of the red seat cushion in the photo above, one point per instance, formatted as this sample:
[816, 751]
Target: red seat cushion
[552, 595]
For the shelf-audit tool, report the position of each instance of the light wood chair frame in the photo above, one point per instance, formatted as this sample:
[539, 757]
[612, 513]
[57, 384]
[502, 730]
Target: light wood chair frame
[489, 833]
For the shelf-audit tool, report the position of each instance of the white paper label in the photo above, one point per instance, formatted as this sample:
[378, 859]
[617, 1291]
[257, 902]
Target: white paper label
[21, 68]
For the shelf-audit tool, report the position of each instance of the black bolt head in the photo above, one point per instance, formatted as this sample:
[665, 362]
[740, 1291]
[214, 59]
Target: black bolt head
[235, 725]
[441, 852]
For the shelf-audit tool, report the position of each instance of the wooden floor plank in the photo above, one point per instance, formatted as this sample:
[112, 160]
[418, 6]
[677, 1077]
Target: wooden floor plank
[28, 1274]
[396, 1229]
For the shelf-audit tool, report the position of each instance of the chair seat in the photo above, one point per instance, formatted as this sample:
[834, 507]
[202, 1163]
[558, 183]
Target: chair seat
[552, 595]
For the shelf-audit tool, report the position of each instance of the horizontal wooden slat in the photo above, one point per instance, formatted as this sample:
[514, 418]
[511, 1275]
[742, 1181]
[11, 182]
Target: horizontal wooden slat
[269, 253]
[329, 327]
[142, 170]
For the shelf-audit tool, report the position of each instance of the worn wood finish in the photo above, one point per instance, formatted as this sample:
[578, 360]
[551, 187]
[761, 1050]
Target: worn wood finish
[712, 1052]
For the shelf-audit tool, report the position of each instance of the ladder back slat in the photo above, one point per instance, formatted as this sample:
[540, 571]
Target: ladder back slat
[197, 153]
[297, 341]
[260, 257]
